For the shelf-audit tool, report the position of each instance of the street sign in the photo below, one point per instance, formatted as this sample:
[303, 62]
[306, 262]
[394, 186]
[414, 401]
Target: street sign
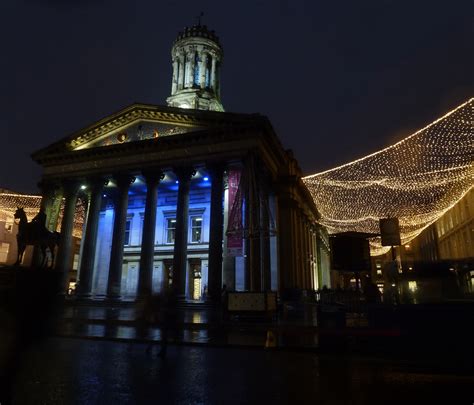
[390, 231]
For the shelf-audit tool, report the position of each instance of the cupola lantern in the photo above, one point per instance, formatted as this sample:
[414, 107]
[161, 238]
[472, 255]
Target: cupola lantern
[196, 56]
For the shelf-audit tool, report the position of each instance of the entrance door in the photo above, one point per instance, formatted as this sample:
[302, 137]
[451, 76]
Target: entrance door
[194, 280]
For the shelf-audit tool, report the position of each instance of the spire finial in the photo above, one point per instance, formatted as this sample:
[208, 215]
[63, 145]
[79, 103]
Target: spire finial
[201, 14]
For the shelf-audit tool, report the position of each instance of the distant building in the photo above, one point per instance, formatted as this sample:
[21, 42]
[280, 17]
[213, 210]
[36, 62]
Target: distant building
[186, 197]
[9, 202]
[448, 242]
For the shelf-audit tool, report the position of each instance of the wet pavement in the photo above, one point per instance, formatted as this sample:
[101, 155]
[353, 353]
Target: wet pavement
[78, 371]
[205, 326]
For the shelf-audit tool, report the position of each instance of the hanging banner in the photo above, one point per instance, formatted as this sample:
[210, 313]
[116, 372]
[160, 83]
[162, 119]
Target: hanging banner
[234, 208]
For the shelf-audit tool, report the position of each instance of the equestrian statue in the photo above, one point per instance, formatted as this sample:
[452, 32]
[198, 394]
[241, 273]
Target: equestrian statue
[35, 233]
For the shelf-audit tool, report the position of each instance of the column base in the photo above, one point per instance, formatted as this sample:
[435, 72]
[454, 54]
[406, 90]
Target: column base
[180, 298]
[213, 300]
[113, 297]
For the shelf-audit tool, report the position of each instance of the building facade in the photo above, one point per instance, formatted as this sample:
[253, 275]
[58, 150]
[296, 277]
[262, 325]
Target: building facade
[188, 199]
[447, 246]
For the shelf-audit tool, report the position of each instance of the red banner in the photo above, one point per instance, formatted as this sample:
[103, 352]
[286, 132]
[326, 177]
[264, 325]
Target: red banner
[234, 207]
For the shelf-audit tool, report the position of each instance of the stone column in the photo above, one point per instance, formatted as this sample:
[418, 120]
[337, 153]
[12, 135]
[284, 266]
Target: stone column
[307, 266]
[120, 220]
[218, 83]
[181, 232]
[203, 70]
[254, 227]
[47, 200]
[314, 261]
[181, 71]
[148, 233]
[319, 261]
[216, 232]
[213, 75]
[90, 238]
[246, 226]
[64, 258]
[174, 83]
[187, 71]
[265, 243]
[287, 241]
[191, 69]
[302, 250]
[228, 261]
[304, 257]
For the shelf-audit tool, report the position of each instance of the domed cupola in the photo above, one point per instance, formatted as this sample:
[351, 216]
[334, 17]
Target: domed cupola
[197, 56]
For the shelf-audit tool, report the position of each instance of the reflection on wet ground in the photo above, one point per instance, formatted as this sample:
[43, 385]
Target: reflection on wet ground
[189, 326]
[76, 371]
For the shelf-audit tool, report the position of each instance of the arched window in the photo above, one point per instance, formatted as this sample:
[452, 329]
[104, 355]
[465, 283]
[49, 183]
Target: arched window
[208, 71]
[197, 71]
[185, 75]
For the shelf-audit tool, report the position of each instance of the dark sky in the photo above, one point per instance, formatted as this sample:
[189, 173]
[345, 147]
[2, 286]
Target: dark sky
[338, 79]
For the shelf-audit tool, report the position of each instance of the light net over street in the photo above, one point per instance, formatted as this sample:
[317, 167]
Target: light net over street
[416, 180]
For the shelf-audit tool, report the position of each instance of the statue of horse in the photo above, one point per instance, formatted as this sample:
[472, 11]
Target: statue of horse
[35, 233]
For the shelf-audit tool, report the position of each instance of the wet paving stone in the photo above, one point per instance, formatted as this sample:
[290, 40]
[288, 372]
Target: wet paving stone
[77, 371]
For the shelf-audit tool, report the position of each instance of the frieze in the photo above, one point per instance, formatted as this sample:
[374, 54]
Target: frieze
[167, 118]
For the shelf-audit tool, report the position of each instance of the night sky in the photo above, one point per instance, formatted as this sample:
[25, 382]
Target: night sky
[338, 79]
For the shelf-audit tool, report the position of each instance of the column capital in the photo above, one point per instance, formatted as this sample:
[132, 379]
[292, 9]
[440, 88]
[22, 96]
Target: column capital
[184, 173]
[153, 176]
[48, 186]
[97, 183]
[70, 186]
[123, 180]
[216, 167]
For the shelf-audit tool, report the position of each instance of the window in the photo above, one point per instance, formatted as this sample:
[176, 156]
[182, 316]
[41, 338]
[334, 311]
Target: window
[197, 71]
[378, 266]
[170, 223]
[412, 286]
[208, 72]
[128, 226]
[9, 227]
[142, 219]
[196, 229]
[4, 248]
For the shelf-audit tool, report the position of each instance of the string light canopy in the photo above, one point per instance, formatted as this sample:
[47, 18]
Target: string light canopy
[9, 202]
[416, 180]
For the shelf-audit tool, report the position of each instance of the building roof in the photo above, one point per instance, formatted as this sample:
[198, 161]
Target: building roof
[192, 120]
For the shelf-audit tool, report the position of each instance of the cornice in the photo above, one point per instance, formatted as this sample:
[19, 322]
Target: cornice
[209, 138]
[168, 115]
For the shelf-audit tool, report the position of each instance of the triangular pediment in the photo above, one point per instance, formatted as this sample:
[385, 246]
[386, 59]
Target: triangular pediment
[141, 122]
[136, 131]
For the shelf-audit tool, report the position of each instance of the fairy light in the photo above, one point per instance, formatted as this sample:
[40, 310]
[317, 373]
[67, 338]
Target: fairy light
[9, 202]
[417, 180]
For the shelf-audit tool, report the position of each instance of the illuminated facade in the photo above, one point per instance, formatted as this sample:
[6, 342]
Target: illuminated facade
[446, 245]
[187, 199]
[197, 57]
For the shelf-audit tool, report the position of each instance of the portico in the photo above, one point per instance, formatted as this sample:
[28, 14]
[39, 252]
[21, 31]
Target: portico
[187, 199]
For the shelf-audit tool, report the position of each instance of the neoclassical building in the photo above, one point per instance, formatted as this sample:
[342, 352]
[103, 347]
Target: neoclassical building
[184, 197]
